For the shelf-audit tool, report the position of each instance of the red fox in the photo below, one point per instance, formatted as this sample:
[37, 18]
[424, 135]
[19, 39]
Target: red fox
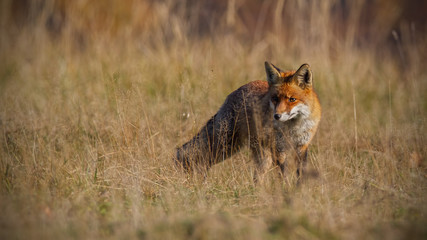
[277, 118]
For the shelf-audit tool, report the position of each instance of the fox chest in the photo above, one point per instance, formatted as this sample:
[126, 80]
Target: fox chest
[293, 134]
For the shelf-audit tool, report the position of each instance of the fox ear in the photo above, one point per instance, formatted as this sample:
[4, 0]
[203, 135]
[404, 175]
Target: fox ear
[273, 74]
[303, 76]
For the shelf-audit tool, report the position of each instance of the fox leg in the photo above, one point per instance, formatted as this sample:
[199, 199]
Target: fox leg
[281, 162]
[302, 162]
[281, 159]
[263, 161]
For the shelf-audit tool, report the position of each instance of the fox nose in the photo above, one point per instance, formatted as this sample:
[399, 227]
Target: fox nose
[277, 116]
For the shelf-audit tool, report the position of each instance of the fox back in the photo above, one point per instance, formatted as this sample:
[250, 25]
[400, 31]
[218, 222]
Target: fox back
[276, 118]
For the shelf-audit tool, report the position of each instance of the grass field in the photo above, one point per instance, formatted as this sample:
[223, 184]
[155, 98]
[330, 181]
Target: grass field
[94, 99]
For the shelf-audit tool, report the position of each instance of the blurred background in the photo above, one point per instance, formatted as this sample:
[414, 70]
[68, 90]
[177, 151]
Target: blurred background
[297, 28]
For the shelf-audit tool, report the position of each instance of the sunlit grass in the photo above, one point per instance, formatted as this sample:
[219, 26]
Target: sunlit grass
[89, 128]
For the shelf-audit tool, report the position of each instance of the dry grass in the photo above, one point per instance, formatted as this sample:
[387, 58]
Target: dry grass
[93, 106]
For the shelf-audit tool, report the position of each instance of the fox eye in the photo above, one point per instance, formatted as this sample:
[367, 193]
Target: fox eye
[275, 99]
[292, 99]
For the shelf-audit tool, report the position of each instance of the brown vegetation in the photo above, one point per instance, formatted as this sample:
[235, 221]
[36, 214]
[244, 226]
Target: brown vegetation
[96, 95]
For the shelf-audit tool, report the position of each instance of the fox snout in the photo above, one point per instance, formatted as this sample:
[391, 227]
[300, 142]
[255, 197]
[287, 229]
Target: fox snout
[283, 117]
[295, 112]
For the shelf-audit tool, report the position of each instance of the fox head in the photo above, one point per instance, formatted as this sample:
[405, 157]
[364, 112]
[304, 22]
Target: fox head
[290, 93]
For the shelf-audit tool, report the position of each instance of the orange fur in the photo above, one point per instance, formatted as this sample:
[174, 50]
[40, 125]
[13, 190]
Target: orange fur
[277, 117]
